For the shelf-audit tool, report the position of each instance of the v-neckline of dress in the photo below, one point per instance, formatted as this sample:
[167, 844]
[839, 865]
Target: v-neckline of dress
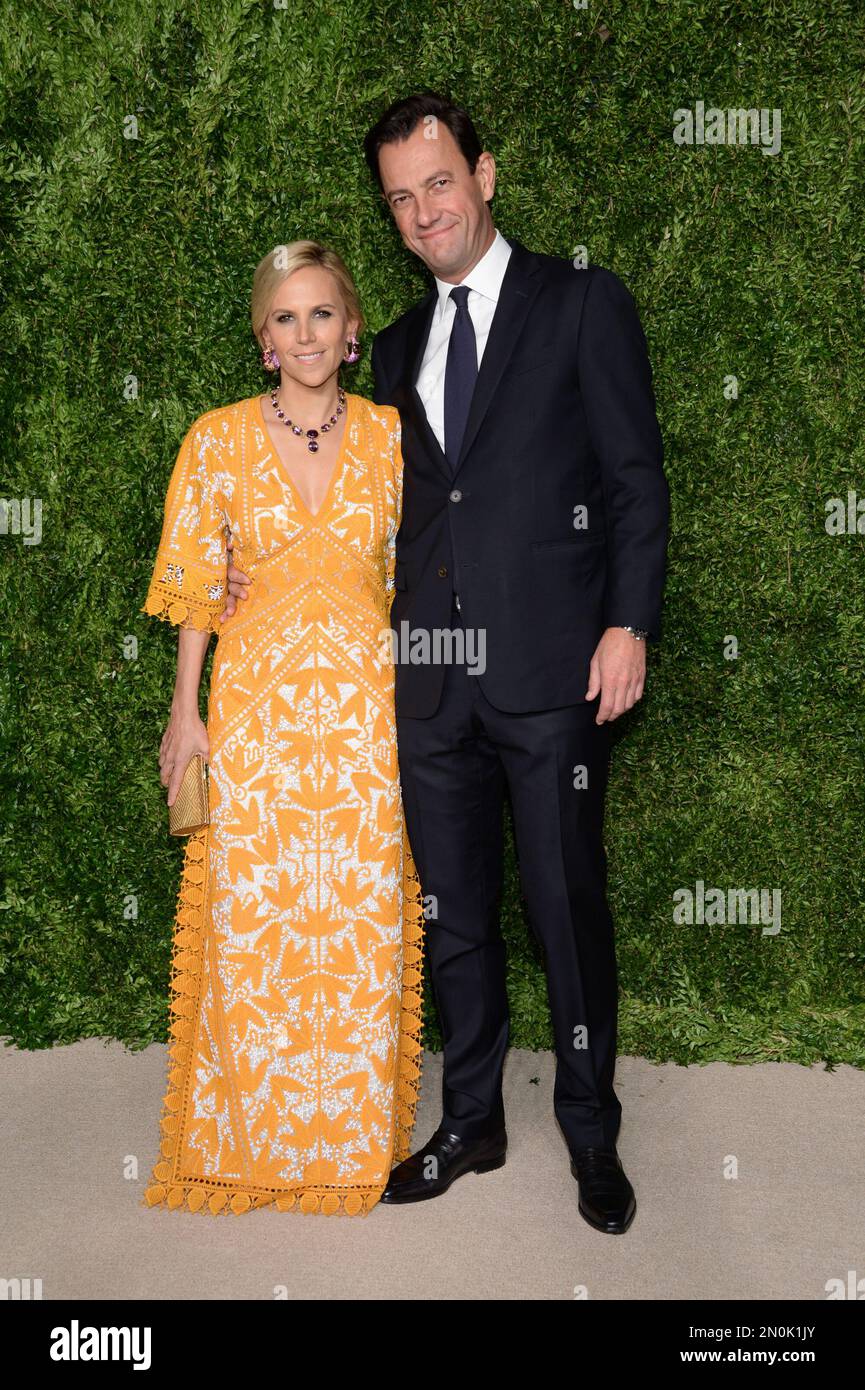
[338, 462]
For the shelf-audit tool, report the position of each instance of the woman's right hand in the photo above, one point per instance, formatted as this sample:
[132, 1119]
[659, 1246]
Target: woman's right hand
[185, 735]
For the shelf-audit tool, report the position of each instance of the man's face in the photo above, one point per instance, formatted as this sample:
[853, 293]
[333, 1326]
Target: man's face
[439, 208]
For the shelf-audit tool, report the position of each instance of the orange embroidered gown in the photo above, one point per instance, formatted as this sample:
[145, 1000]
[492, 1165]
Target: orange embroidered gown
[294, 1055]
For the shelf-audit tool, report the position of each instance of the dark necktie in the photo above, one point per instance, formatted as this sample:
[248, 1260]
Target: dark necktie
[461, 372]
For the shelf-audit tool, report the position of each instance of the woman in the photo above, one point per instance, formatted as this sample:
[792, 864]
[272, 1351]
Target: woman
[296, 974]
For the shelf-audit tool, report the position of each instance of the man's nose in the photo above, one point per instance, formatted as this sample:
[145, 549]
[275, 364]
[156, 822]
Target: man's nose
[425, 213]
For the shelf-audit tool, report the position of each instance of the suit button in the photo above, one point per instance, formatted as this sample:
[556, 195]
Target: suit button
[456, 495]
[443, 574]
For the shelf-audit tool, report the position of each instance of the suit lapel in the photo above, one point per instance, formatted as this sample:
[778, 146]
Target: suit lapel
[519, 287]
[416, 339]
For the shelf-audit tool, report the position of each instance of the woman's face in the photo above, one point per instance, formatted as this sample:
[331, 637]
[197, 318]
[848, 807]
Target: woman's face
[307, 327]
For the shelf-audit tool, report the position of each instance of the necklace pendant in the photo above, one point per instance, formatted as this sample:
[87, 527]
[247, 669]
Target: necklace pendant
[311, 435]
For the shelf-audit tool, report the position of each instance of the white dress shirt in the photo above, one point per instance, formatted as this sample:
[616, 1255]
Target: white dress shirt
[484, 282]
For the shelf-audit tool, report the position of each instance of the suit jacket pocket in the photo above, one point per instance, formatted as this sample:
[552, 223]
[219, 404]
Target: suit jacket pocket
[584, 540]
[518, 365]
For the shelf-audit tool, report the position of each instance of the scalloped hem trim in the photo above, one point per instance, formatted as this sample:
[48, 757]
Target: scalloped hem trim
[221, 1201]
[171, 609]
[221, 1196]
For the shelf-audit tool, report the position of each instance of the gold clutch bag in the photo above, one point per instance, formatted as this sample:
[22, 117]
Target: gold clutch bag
[189, 811]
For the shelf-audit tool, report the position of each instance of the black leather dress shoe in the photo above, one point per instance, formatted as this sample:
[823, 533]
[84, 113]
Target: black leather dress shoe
[607, 1199]
[430, 1171]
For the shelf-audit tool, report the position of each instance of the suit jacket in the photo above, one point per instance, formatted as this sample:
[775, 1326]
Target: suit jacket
[553, 524]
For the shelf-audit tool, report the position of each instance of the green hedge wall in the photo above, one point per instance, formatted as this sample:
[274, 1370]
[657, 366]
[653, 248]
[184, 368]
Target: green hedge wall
[133, 257]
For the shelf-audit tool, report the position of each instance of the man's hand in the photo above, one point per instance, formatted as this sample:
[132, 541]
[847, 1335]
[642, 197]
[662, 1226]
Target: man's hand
[618, 671]
[237, 582]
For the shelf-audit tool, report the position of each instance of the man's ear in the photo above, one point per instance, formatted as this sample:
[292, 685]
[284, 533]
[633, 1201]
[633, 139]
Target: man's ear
[488, 172]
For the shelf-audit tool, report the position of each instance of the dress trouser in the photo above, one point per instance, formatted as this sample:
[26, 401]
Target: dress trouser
[454, 766]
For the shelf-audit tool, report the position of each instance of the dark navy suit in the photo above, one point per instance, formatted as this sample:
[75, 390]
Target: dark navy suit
[562, 429]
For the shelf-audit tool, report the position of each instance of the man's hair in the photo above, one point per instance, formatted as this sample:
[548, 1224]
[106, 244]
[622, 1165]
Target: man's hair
[400, 119]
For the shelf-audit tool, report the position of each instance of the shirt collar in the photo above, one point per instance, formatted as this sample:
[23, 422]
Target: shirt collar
[486, 277]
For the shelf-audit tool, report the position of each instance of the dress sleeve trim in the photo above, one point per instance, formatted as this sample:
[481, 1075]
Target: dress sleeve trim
[178, 594]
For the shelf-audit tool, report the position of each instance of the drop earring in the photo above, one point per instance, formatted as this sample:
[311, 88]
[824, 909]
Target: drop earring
[270, 360]
[354, 350]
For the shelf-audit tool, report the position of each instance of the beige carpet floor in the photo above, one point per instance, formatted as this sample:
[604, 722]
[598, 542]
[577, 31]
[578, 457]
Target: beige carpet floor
[81, 1133]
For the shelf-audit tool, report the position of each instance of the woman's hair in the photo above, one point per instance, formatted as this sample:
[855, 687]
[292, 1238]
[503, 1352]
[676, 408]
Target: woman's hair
[283, 261]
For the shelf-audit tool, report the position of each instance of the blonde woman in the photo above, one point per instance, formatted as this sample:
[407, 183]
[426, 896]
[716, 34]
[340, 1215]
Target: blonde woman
[296, 974]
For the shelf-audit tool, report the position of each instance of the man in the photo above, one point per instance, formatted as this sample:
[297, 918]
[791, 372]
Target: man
[535, 510]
